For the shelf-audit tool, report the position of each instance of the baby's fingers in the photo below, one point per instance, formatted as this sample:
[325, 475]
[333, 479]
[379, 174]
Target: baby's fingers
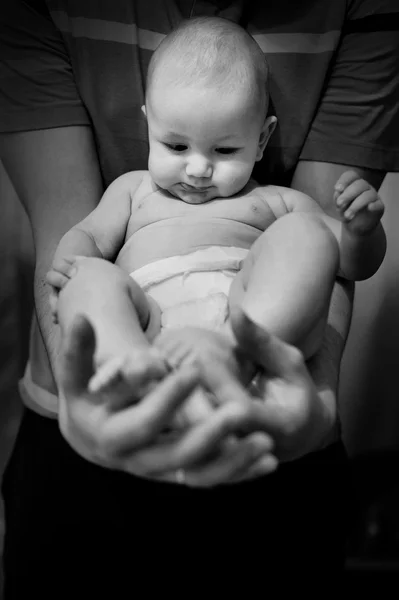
[56, 279]
[346, 179]
[363, 201]
[65, 265]
[352, 192]
[377, 207]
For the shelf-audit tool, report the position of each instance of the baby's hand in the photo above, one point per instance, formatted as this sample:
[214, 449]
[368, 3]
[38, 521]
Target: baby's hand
[60, 273]
[358, 202]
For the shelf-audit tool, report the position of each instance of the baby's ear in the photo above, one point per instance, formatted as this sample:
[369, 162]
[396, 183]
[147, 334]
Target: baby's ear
[143, 110]
[267, 129]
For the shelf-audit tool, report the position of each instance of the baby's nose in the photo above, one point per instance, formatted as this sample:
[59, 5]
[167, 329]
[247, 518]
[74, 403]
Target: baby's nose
[199, 166]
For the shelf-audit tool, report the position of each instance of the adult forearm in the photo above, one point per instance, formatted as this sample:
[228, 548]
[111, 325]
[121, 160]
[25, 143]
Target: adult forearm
[50, 333]
[58, 185]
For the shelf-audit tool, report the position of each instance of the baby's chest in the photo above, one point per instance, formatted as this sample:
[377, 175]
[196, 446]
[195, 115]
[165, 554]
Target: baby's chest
[158, 207]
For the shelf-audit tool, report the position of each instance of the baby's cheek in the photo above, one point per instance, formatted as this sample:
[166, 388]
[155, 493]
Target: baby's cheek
[163, 170]
[234, 176]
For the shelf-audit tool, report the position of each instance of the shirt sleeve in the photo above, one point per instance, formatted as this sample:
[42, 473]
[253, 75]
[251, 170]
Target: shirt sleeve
[37, 88]
[357, 121]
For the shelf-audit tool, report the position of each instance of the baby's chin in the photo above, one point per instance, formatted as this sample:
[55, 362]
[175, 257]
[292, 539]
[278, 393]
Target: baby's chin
[197, 197]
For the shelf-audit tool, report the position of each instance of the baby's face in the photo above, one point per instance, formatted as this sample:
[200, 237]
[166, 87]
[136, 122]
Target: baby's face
[203, 144]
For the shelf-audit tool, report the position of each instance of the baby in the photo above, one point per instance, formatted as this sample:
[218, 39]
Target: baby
[199, 238]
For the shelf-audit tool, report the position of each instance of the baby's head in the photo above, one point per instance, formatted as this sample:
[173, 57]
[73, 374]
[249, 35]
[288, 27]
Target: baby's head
[206, 105]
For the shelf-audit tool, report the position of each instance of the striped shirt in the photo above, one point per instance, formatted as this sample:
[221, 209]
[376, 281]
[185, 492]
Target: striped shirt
[334, 75]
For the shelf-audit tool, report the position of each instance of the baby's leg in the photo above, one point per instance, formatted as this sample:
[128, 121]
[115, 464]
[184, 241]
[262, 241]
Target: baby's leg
[119, 312]
[287, 279]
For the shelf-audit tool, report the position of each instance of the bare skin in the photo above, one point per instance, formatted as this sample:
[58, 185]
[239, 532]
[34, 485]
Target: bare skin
[158, 225]
[161, 226]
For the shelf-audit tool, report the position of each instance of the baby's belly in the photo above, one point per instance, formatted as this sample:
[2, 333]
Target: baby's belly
[173, 237]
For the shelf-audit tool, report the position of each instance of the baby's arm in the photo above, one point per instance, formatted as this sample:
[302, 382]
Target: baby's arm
[363, 242]
[90, 284]
[100, 235]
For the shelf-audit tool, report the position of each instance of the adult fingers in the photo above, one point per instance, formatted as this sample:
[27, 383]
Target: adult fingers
[199, 443]
[126, 430]
[224, 384]
[265, 465]
[239, 460]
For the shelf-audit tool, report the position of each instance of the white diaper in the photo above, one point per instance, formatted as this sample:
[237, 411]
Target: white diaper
[192, 289]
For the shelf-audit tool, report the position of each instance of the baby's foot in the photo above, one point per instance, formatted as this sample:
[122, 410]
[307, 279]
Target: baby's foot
[137, 372]
[222, 371]
[180, 347]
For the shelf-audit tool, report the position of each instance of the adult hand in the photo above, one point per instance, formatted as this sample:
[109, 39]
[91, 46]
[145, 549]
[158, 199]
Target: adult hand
[223, 368]
[102, 428]
[301, 417]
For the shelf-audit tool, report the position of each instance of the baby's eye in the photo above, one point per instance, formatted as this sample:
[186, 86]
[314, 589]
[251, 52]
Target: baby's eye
[227, 150]
[176, 147]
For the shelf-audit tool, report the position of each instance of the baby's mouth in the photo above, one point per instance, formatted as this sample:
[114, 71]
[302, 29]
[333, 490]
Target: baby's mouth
[195, 189]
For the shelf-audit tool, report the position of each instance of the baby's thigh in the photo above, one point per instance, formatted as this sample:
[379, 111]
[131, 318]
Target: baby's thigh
[240, 282]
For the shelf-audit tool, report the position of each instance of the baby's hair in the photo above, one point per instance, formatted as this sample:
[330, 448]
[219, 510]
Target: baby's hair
[211, 51]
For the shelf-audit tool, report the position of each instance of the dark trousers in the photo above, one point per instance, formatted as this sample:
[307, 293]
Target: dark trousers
[80, 531]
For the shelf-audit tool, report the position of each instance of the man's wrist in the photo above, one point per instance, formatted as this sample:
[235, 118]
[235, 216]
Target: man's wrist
[332, 426]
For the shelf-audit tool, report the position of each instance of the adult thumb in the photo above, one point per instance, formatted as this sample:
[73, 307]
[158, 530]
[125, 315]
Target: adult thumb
[266, 350]
[75, 365]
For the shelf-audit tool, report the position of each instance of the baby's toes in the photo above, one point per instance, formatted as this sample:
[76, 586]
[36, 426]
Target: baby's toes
[178, 354]
[107, 376]
[142, 371]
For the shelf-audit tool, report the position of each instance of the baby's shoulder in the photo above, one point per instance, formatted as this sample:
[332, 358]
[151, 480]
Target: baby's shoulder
[141, 185]
[137, 185]
[132, 181]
